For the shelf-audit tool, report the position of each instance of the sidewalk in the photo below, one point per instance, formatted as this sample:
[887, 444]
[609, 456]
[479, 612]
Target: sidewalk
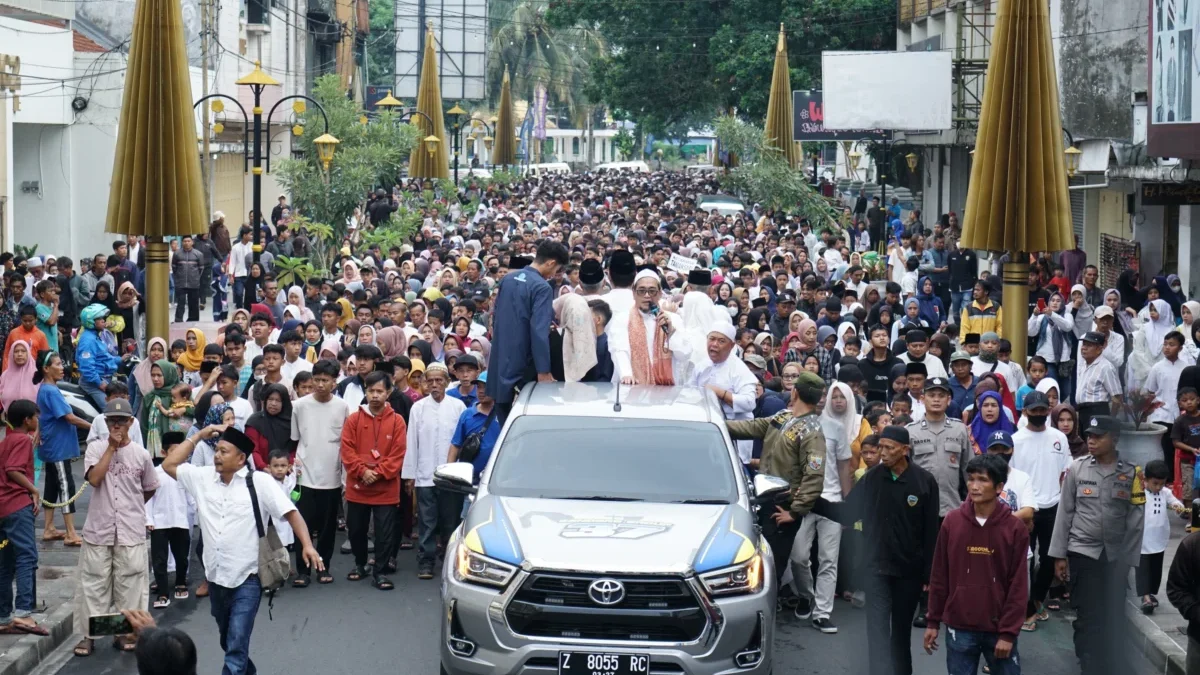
[55, 590]
[1158, 635]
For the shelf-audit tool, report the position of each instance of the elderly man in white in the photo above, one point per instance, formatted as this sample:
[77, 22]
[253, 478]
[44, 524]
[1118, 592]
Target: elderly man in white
[730, 379]
[646, 343]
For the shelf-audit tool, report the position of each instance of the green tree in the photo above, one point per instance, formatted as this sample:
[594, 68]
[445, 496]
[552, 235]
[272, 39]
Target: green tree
[381, 44]
[368, 155]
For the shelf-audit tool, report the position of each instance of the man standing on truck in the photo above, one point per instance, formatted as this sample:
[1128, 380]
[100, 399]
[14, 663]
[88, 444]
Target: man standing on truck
[793, 448]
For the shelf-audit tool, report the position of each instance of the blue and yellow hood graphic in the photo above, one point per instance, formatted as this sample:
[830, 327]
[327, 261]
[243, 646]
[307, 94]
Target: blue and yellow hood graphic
[728, 543]
[489, 532]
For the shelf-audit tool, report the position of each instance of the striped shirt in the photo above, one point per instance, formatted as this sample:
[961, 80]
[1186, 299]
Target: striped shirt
[1097, 382]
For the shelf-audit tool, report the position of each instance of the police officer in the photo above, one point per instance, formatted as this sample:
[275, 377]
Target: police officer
[794, 449]
[941, 445]
[1097, 538]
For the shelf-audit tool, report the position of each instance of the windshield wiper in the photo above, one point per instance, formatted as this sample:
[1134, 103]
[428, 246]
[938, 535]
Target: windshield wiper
[701, 501]
[605, 498]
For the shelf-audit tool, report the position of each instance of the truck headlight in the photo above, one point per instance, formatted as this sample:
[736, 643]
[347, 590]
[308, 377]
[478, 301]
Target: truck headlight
[477, 568]
[743, 578]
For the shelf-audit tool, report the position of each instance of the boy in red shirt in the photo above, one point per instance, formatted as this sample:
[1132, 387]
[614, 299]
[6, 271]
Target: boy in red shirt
[980, 577]
[19, 502]
[374, 440]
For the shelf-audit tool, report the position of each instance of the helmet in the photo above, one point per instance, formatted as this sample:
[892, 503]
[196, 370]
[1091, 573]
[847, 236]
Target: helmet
[92, 312]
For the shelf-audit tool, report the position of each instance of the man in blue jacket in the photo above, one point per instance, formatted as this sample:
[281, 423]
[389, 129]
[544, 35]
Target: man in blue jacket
[521, 326]
[96, 364]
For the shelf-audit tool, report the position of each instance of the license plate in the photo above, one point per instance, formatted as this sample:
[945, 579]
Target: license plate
[598, 663]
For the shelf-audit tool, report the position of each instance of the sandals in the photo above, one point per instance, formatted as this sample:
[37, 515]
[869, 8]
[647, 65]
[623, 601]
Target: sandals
[382, 583]
[17, 628]
[85, 647]
[406, 544]
[162, 602]
[181, 593]
[125, 643]
[390, 567]
[355, 574]
[301, 582]
[1053, 603]
[325, 578]
[76, 542]
[1030, 626]
[1043, 615]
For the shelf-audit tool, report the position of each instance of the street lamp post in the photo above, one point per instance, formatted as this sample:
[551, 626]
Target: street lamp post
[258, 81]
[455, 113]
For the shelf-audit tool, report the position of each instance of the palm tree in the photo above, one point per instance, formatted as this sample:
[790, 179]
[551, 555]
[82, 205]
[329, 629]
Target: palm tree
[536, 52]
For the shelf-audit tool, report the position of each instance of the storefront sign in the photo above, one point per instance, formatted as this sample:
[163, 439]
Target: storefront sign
[1170, 194]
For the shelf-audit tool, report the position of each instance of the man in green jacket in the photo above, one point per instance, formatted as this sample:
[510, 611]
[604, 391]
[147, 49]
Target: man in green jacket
[793, 449]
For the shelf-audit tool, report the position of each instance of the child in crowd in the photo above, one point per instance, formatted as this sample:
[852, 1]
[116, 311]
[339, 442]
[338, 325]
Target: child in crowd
[1156, 533]
[302, 384]
[280, 467]
[878, 419]
[178, 348]
[416, 380]
[869, 454]
[169, 521]
[182, 410]
[21, 501]
[901, 407]
[1004, 355]
[1038, 368]
[99, 429]
[402, 367]
[1185, 434]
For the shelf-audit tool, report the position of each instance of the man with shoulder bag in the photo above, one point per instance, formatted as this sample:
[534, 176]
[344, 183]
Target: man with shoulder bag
[477, 431]
[242, 558]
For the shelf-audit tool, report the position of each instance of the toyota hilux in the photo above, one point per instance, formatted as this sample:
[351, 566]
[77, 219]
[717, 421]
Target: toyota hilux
[611, 533]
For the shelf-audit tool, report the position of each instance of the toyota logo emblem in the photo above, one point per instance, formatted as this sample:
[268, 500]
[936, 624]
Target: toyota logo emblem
[606, 591]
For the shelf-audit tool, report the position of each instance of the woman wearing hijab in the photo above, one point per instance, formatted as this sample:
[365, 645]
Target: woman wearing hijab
[911, 319]
[1065, 419]
[350, 273]
[846, 332]
[932, 312]
[420, 349]
[271, 427]
[164, 375]
[1189, 313]
[1054, 336]
[483, 346]
[103, 295]
[254, 282]
[347, 313]
[1191, 343]
[391, 341]
[1148, 343]
[129, 308]
[156, 350]
[989, 418]
[330, 348]
[193, 356]
[16, 382]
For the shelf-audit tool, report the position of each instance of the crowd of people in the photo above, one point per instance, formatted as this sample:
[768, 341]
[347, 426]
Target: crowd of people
[933, 479]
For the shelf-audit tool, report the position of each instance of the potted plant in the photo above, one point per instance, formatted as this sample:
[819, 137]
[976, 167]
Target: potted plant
[1141, 441]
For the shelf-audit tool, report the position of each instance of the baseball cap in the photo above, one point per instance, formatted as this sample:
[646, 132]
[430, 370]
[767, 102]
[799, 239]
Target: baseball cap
[937, 383]
[118, 407]
[756, 360]
[787, 296]
[1103, 311]
[466, 360]
[482, 377]
[1102, 425]
[1093, 337]
[1035, 399]
[960, 356]
[1000, 438]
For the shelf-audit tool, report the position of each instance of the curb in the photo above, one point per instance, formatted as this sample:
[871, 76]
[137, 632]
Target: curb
[1163, 653]
[31, 650]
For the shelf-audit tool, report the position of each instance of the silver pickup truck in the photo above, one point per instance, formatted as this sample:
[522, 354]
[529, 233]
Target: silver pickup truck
[608, 537]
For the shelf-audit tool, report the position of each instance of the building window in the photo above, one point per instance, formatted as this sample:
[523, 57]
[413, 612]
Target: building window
[257, 11]
[575, 146]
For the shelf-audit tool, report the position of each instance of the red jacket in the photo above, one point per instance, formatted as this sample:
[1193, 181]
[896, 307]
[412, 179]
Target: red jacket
[387, 436]
[980, 576]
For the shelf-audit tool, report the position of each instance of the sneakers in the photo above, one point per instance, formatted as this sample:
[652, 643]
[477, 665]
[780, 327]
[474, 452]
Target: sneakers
[825, 626]
[803, 608]
[425, 570]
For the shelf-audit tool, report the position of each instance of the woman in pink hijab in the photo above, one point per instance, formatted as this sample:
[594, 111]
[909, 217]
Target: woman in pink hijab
[391, 341]
[16, 382]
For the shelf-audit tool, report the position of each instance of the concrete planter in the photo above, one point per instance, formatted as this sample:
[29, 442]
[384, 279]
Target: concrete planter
[1141, 445]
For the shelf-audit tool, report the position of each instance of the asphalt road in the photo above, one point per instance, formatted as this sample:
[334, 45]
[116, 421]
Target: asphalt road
[351, 627]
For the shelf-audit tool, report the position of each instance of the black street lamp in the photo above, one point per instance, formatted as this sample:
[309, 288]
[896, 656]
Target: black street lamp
[258, 81]
[458, 125]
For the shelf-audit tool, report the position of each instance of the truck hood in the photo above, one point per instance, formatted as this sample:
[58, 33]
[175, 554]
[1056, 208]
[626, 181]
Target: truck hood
[609, 537]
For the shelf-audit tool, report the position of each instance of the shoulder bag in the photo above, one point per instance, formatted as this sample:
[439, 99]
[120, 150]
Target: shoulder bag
[274, 563]
[474, 441]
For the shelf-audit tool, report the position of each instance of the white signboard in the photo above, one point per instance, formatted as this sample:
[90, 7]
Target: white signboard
[915, 86]
[682, 264]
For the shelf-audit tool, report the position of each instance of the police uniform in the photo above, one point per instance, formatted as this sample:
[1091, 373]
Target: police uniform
[943, 449]
[1098, 530]
[794, 449]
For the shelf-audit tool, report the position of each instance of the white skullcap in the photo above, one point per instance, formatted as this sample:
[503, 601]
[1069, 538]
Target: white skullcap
[725, 329]
[647, 274]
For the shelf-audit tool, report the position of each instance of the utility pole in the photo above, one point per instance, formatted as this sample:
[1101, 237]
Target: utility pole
[206, 169]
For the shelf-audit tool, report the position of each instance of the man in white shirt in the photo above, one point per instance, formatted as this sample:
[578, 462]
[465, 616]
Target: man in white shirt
[317, 421]
[988, 360]
[1114, 346]
[635, 349]
[260, 334]
[227, 518]
[293, 364]
[431, 424]
[1163, 380]
[237, 265]
[917, 342]
[732, 382]
[1043, 453]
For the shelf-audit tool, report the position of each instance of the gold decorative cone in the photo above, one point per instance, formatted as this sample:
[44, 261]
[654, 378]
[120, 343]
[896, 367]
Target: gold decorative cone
[1017, 200]
[429, 101]
[779, 106]
[156, 186]
[504, 148]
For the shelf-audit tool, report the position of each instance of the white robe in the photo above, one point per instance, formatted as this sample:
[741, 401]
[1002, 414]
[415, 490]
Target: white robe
[620, 349]
[732, 374]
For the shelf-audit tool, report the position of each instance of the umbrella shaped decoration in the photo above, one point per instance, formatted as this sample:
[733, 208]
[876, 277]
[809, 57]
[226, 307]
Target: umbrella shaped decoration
[504, 148]
[430, 159]
[779, 105]
[156, 188]
[1017, 200]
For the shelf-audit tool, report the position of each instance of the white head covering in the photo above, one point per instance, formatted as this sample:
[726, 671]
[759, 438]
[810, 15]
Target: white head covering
[1155, 331]
[1047, 384]
[842, 329]
[725, 329]
[647, 274]
[850, 420]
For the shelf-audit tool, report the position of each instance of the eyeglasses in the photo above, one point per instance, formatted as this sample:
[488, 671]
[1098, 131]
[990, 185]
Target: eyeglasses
[792, 377]
[647, 292]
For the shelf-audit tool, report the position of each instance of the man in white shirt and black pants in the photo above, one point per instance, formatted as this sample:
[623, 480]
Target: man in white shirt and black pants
[231, 533]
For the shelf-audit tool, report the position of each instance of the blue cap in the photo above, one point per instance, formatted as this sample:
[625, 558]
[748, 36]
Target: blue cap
[482, 377]
[1000, 438]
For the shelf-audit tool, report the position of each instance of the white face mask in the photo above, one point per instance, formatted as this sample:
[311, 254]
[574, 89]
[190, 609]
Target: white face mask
[733, 311]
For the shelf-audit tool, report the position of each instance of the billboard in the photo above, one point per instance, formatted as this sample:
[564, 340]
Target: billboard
[808, 121]
[910, 91]
[460, 28]
[1174, 130]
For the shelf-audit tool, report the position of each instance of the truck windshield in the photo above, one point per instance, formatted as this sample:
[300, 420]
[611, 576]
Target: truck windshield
[614, 459]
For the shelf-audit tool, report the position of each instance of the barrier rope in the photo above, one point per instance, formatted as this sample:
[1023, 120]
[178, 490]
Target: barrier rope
[78, 493]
